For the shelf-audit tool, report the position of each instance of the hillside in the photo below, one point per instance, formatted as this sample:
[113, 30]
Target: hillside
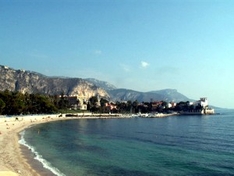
[102, 84]
[32, 82]
[165, 95]
[117, 94]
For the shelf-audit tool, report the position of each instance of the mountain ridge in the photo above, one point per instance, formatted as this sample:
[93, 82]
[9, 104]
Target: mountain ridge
[33, 82]
[123, 94]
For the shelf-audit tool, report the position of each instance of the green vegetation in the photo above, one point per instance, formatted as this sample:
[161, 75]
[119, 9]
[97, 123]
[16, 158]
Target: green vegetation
[16, 103]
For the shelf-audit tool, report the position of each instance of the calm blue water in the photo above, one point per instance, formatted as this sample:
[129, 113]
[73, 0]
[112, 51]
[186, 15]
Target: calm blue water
[177, 145]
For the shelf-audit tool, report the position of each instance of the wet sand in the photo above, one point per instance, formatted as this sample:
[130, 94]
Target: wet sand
[12, 154]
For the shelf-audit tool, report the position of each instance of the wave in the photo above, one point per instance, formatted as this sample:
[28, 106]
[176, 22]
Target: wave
[46, 164]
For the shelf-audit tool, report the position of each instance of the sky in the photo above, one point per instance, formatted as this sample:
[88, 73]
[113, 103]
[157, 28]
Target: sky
[143, 45]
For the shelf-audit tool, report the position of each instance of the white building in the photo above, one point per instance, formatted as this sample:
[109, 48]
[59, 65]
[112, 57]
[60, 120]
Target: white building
[203, 102]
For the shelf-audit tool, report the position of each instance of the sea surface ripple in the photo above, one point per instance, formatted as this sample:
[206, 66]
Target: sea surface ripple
[176, 145]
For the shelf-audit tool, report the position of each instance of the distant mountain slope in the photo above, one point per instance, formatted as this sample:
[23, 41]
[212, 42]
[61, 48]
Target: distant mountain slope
[126, 94]
[102, 84]
[171, 95]
[165, 95]
[32, 82]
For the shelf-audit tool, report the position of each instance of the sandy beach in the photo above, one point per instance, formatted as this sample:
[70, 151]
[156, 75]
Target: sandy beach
[12, 160]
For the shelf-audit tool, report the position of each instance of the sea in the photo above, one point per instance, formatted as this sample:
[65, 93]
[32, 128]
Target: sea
[175, 145]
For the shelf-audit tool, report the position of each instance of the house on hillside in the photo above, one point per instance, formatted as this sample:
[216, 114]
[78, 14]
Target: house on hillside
[77, 103]
[73, 102]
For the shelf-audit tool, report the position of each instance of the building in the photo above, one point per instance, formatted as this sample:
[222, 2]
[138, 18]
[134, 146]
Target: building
[77, 102]
[110, 107]
[203, 102]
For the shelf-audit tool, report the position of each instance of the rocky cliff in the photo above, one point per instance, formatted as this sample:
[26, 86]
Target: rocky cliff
[32, 82]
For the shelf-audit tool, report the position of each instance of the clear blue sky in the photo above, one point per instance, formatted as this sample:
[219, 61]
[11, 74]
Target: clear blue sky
[142, 45]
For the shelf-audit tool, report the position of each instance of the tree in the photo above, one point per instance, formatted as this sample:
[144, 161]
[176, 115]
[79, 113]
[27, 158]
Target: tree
[93, 100]
[63, 102]
[92, 104]
[14, 103]
[103, 103]
[129, 106]
[134, 106]
[2, 105]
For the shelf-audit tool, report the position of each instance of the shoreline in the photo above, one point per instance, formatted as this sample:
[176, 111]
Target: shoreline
[13, 158]
[14, 155]
[10, 154]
